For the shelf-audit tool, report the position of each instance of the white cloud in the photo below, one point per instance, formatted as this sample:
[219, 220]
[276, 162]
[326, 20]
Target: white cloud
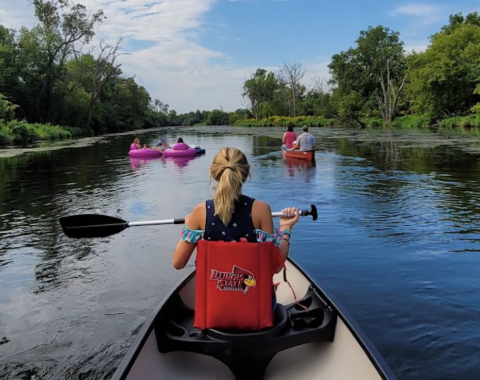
[417, 10]
[316, 69]
[174, 67]
[15, 14]
[179, 73]
[418, 46]
[418, 21]
[424, 14]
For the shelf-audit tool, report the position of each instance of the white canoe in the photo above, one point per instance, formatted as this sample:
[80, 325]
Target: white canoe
[323, 343]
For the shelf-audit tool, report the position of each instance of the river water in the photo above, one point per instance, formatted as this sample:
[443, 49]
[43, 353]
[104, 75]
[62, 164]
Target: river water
[397, 242]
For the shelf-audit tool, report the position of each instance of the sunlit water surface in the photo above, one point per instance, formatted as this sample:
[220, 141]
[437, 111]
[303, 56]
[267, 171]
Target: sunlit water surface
[397, 242]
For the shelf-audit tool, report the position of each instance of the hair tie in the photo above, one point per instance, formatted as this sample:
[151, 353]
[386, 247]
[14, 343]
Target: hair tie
[228, 167]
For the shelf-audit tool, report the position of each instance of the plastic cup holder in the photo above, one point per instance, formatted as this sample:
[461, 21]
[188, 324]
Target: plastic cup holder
[175, 330]
[311, 319]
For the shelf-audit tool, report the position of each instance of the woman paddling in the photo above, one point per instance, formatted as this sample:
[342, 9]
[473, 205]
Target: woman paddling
[230, 215]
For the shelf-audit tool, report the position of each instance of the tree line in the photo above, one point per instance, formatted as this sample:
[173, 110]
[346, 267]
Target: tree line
[57, 80]
[377, 83]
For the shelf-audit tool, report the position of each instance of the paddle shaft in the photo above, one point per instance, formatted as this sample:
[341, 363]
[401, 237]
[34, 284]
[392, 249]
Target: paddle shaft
[157, 222]
[95, 225]
[182, 220]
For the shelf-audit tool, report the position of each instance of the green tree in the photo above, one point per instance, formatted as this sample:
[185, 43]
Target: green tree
[374, 70]
[351, 107]
[9, 69]
[260, 88]
[217, 117]
[444, 80]
[105, 70]
[61, 25]
[291, 75]
[7, 109]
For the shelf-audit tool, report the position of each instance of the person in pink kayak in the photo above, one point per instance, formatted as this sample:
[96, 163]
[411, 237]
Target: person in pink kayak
[162, 145]
[136, 144]
[180, 145]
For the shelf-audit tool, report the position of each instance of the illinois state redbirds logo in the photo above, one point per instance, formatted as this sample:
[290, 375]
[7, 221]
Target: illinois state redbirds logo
[238, 279]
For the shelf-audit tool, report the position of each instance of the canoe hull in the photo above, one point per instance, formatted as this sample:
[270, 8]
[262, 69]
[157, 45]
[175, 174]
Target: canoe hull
[308, 156]
[349, 356]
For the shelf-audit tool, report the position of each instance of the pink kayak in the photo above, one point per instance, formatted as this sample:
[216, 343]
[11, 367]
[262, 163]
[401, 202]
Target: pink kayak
[143, 153]
[190, 152]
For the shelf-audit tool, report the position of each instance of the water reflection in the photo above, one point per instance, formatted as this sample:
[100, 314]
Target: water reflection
[391, 213]
[180, 162]
[389, 151]
[136, 163]
[305, 170]
[406, 194]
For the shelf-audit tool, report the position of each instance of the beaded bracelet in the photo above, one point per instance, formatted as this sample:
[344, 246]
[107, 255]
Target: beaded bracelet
[286, 232]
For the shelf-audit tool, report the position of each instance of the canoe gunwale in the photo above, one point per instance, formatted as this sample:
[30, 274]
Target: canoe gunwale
[142, 336]
[369, 349]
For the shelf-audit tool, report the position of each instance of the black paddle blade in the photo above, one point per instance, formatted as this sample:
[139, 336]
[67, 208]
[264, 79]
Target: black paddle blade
[91, 225]
[313, 212]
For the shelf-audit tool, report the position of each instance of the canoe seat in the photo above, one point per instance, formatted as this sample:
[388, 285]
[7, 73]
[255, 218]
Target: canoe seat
[246, 353]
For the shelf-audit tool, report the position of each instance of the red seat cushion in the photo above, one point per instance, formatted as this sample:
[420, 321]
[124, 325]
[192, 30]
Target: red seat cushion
[234, 287]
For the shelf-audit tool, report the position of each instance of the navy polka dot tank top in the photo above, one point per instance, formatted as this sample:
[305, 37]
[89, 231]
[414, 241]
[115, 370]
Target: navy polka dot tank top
[241, 225]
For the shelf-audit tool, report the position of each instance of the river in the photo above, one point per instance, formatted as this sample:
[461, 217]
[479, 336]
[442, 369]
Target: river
[397, 242]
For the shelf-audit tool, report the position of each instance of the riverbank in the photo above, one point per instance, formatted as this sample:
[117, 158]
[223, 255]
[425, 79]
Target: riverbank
[397, 138]
[396, 243]
[43, 146]
[457, 125]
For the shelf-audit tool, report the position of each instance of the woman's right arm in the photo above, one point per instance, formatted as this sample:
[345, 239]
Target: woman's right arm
[183, 250]
[284, 138]
[262, 214]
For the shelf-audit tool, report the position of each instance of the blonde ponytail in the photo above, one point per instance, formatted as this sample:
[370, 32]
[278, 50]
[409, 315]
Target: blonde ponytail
[230, 169]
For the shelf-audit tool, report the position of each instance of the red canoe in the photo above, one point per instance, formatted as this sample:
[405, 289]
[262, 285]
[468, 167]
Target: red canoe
[308, 155]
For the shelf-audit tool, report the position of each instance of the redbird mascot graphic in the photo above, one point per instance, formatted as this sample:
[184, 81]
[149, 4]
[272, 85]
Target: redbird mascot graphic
[238, 279]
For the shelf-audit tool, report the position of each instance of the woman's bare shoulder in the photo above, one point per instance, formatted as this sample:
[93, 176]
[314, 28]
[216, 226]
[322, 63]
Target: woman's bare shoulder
[197, 217]
[261, 207]
[262, 216]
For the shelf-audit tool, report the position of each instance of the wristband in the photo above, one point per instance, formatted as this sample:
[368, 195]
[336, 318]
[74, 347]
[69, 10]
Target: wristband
[286, 232]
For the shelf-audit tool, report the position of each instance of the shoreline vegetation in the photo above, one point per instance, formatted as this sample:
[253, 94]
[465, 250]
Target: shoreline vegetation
[21, 133]
[459, 125]
[51, 89]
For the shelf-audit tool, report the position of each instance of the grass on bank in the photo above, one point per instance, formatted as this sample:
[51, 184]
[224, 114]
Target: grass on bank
[463, 125]
[20, 132]
[283, 121]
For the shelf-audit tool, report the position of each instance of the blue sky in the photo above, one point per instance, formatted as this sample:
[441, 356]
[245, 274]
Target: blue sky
[196, 54]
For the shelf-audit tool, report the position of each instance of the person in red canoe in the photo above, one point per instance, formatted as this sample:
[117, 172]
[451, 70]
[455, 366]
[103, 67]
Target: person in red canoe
[289, 137]
[305, 141]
